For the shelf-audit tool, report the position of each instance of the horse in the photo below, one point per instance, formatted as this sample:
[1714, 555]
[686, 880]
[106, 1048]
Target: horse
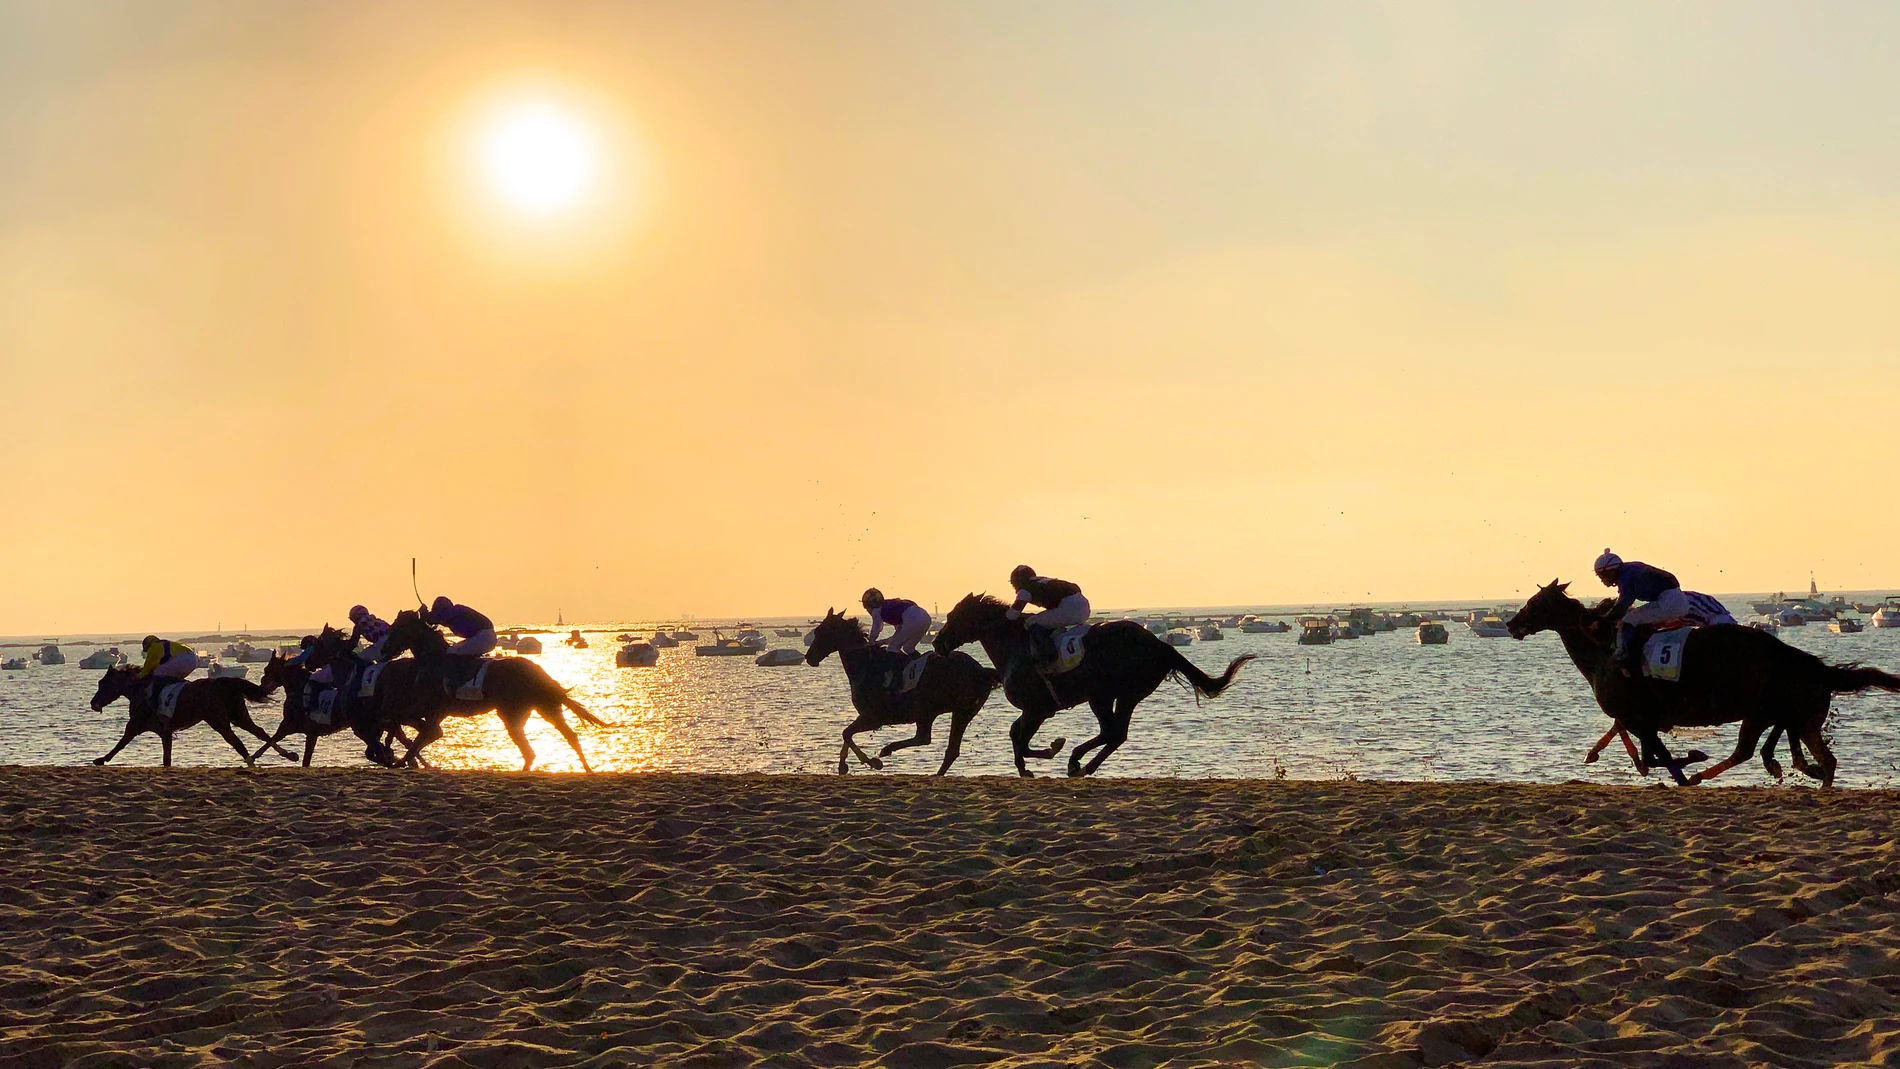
[514, 689]
[1123, 664]
[218, 702]
[1729, 673]
[952, 683]
[279, 672]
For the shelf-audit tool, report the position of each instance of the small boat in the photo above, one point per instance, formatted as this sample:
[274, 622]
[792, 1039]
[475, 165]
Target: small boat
[1768, 608]
[664, 641]
[778, 658]
[230, 651]
[1178, 636]
[1403, 618]
[1888, 615]
[624, 637]
[787, 632]
[1314, 632]
[50, 655]
[683, 635]
[1765, 623]
[255, 655]
[637, 655]
[1846, 625]
[1209, 633]
[723, 647]
[13, 664]
[1254, 625]
[1488, 625]
[1791, 618]
[216, 670]
[527, 644]
[109, 658]
[1433, 633]
[575, 640]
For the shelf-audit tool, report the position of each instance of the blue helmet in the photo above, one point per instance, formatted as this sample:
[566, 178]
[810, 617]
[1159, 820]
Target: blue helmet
[441, 606]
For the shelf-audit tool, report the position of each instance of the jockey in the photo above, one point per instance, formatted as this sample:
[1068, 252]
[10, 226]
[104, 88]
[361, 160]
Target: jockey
[165, 659]
[368, 627]
[908, 620]
[477, 632]
[1665, 600]
[1062, 604]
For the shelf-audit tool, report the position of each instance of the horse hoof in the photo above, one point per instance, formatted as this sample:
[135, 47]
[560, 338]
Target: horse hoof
[1075, 771]
[1056, 746]
[843, 768]
[100, 761]
[1590, 758]
[1694, 756]
[877, 764]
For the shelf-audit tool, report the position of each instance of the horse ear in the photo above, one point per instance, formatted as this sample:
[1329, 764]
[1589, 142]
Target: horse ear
[1561, 587]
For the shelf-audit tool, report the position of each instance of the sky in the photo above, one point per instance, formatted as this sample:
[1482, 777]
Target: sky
[1203, 304]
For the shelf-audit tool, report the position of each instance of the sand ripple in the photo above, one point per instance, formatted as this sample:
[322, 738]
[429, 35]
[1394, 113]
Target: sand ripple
[338, 917]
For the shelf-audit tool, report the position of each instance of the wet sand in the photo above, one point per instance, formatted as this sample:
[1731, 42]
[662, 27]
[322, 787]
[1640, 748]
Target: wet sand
[340, 917]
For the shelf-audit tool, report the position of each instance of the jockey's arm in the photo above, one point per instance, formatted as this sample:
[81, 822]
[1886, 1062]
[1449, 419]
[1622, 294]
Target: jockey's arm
[153, 658]
[1016, 610]
[877, 625]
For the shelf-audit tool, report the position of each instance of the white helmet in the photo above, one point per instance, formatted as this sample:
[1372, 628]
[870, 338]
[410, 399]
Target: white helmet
[1607, 562]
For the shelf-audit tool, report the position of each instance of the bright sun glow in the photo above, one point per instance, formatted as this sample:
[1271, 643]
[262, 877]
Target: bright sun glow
[538, 158]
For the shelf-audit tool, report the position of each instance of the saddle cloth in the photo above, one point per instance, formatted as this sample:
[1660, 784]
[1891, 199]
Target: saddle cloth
[322, 710]
[366, 682]
[166, 701]
[1704, 610]
[1662, 654]
[471, 691]
[1069, 650]
[914, 671]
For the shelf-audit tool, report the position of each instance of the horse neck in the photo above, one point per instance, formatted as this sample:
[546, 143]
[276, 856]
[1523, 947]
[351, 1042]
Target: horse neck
[997, 643]
[1584, 648]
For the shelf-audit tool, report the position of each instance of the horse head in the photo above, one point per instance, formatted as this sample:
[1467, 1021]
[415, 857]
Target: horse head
[976, 616]
[408, 631]
[331, 642]
[275, 671]
[116, 683]
[1550, 608]
[834, 633]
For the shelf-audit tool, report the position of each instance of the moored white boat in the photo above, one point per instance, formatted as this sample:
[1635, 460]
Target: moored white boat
[1888, 615]
[778, 658]
[1178, 636]
[1433, 633]
[50, 654]
[637, 655]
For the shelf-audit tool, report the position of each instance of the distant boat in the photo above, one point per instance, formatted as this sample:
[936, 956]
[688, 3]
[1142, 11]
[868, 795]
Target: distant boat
[1178, 636]
[50, 655]
[528, 644]
[224, 671]
[13, 664]
[1845, 625]
[1254, 625]
[664, 641]
[778, 658]
[1488, 625]
[575, 640]
[1765, 623]
[723, 647]
[1888, 615]
[1790, 618]
[109, 658]
[684, 635]
[1432, 633]
[787, 632]
[637, 655]
[1314, 632]
[1209, 633]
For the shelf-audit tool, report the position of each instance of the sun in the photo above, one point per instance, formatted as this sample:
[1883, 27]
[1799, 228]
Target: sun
[538, 158]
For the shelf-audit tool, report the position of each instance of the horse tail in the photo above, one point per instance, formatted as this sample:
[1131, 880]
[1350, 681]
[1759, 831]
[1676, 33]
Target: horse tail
[1848, 678]
[250, 691]
[1204, 684]
[581, 711]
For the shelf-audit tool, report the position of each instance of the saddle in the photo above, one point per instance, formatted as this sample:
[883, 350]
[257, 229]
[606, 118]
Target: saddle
[888, 678]
[456, 684]
[1065, 651]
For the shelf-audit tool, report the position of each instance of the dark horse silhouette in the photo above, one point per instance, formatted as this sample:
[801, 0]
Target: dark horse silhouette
[1729, 673]
[951, 683]
[279, 672]
[1123, 664]
[515, 689]
[218, 702]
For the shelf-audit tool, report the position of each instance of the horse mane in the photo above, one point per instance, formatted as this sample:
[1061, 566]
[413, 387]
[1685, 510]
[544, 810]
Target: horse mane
[856, 624]
[980, 601]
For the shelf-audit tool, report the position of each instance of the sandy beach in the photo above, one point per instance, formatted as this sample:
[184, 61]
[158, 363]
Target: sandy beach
[335, 917]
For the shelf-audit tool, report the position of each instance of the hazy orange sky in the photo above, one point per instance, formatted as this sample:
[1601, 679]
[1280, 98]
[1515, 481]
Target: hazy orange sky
[1204, 304]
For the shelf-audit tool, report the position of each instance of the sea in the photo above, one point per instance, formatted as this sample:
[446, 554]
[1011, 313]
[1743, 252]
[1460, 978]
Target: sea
[1381, 707]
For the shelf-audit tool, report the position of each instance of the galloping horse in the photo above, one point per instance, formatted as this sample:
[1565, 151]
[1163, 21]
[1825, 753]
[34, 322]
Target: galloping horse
[297, 721]
[1729, 673]
[951, 683]
[1123, 664]
[514, 689]
[218, 702]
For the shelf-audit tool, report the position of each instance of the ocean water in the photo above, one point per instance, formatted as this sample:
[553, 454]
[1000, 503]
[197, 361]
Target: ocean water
[1380, 707]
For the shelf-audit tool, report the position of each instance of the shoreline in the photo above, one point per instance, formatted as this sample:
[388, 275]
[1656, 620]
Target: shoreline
[354, 916]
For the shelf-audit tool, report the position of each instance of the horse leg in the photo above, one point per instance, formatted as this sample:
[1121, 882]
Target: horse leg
[1811, 735]
[1744, 749]
[856, 726]
[959, 720]
[413, 752]
[1768, 761]
[515, 721]
[430, 731]
[241, 716]
[165, 741]
[283, 729]
[1657, 755]
[309, 748]
[132, 731]
[223, 728]
[1020, 732]
[921, 738]
[1117, 734]
[1104, 710]
[560, 724]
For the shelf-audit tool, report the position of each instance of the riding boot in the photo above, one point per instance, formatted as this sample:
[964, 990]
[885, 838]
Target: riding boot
[1622, 653]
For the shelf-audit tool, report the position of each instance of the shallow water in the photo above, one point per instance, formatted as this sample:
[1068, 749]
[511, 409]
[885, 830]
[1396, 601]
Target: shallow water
[1380, 707]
